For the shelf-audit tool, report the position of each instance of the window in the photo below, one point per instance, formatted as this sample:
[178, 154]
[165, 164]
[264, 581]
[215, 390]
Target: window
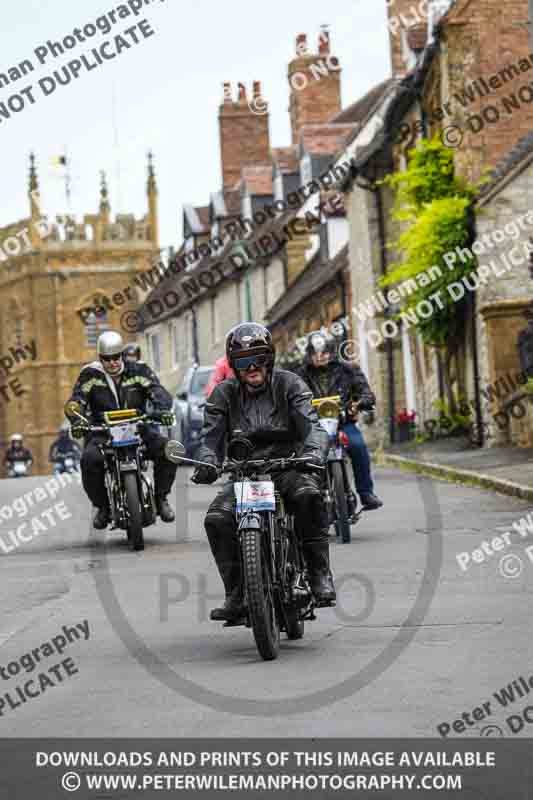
[95, 323]
[155, 353]
[175, 343]
[215, 327]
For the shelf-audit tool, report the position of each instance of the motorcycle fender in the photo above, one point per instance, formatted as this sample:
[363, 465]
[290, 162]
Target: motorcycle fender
[128, 466]
[250, 521]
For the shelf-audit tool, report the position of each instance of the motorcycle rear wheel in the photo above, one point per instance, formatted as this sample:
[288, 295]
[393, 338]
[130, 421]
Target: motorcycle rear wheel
[259, 590]
[135, 524]
[342, 522]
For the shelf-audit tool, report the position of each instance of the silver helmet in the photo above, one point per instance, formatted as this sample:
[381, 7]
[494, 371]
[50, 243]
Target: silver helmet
[109, 343]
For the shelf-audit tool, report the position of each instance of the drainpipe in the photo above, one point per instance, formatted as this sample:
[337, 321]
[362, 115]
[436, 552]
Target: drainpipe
[195, 348]
[475, 358]
[388, 343]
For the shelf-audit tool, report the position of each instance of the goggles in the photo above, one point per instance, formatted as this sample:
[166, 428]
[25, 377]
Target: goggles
[117, 357]
[245, 362]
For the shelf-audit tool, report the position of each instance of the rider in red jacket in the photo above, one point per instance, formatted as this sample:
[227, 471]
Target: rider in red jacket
[222, 372]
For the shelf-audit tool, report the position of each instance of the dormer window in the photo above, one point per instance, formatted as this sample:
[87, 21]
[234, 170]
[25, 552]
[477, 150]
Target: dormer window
[306, 169]
[247, 206]
[278, 187]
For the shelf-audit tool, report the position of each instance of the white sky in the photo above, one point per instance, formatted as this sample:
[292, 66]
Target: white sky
[168, 91]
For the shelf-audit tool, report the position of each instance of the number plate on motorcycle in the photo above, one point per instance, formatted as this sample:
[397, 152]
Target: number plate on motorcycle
[255, 496]
[124, 435]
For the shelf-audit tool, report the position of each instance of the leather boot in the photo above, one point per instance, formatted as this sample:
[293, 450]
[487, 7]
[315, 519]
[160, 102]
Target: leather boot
[101, 519]
[225, 549]
[317, 558]
[164, 509]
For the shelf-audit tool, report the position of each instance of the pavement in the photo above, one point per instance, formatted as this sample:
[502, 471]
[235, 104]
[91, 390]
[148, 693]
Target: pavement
[413, 643]
[508, 470]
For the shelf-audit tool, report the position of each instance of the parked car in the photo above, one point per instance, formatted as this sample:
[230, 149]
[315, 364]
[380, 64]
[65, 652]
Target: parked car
[188, 407]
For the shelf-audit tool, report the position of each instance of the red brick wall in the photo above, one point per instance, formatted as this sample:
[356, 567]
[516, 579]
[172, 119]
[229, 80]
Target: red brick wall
[319, 99]
[244, 135]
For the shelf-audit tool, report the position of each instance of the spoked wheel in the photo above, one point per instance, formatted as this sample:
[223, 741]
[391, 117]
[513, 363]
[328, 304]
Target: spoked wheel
[135, 521]
[342, 523]
[261, 604]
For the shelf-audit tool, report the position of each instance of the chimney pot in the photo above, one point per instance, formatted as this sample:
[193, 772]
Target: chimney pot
[242, 93]
[301, 44]
[324, 41]
[257, 88]
[227, 92]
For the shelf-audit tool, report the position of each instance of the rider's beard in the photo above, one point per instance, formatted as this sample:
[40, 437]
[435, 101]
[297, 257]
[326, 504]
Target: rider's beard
[114, 371]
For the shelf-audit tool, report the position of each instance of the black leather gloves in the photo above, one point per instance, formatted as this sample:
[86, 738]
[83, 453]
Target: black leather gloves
[205, 474]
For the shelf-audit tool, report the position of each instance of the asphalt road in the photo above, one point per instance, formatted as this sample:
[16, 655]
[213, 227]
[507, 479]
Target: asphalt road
[413, 643]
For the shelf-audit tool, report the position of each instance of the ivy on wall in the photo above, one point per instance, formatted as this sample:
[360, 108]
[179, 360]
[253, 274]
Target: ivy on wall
[436, 205]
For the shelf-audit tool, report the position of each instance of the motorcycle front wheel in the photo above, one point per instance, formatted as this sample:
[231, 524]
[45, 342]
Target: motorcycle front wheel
[133, 507]
[342, 522]
[260, 596]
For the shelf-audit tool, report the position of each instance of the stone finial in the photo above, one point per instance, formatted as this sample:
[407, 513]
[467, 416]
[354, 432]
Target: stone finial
[152, 186]
[34, 182]
[104, 193]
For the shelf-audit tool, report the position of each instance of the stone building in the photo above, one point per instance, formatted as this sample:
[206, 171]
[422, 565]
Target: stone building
[462, 71]
[71, 281]
[506, 217]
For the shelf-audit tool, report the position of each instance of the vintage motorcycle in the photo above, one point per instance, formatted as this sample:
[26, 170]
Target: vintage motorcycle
[66, 462]
[129, 489]
[276, 590]
[277, 594]
[340, 499]
[19, 469]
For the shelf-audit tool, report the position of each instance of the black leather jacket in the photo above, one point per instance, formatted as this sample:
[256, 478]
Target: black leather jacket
[284, 404]
[344, 379]
[17, 454]
[137, 385]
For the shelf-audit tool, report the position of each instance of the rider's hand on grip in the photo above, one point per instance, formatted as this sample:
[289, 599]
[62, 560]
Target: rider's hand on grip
[205, 474]
[79, 431]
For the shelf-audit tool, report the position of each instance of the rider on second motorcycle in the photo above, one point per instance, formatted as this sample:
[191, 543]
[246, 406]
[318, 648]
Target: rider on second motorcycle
[108, 384]
[63, 446]
[17, 452]
[261, 398]
[326, 376]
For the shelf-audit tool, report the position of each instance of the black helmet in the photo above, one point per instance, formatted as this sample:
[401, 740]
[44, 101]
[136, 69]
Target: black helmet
[320, 342]
[132, 349]
[249, 339]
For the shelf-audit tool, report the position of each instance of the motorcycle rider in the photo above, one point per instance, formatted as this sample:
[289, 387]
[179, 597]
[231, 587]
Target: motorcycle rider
[105, 385]
[326, 375]
[132, 353]
[17, 452]
[64, 446]
[261, 398]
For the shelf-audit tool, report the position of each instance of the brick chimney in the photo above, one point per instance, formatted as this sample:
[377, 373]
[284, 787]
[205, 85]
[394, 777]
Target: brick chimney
[407, 24]
[315, 84]
[244, 132]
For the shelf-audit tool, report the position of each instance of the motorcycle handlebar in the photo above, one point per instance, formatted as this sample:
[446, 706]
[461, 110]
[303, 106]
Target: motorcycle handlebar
[269, 464]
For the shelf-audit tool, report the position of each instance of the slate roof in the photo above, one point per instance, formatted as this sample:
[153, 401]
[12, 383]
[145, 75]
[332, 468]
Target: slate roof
[359, 110]
[324, 139]
[519, 153]
[314, 277]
